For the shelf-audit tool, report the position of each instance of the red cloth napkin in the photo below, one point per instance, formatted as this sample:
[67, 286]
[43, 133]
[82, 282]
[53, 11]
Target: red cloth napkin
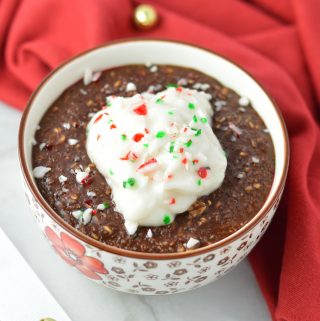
[278, 41]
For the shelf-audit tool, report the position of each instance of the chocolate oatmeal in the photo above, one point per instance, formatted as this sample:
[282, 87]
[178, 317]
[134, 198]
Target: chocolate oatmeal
[72, 185]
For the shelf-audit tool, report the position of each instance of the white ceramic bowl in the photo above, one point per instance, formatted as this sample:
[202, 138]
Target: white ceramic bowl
[144, 273]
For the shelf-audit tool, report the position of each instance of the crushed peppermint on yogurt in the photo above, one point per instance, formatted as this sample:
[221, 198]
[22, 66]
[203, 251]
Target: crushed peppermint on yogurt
[159, 142]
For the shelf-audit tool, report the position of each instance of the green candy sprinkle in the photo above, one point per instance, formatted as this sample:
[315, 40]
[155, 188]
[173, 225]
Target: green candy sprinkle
[172, 86]
[131, 181]
[199, 182]
[204, 120]
[159, 101]
[106, 205]
[198, 133]
[191, 106]
[188, 143]
[110, 121]
[160, 134]
[124, 137]
[171, 148]
[109, 104]
[110, 172]
[170, 112]
[146, 145]
[166, 219]
[195, 118]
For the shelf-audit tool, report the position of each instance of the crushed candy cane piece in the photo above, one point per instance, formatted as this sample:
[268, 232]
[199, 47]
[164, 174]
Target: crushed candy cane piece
[66, 125]
[86, 216]
[131, 227]
[244, 101]
[149, 234]
[131, 87]
[91, 194]
[103, 206]
[40, 171]
[77, 214]
[192, 242]
[42, 146]
[236, 130]
[96, 75]
[62, 178]
[153, 68]
[255, 159]
[73, 141]
[87, 77]
[81, 176]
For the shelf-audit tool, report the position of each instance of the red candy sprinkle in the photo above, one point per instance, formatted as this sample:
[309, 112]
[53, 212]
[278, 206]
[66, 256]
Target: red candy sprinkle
[181, 150]
[126, 157]
[184, 161]
[112, 126]
[172, 201]
[149, 162]
[141, 110]
[129, 156]
[146, 130]
[98, 118]
[202, 172]
[94, 212]
[170, 176]
[137, 137]
[86, 181]
[88, 202]
[195, 161]
[179, 89]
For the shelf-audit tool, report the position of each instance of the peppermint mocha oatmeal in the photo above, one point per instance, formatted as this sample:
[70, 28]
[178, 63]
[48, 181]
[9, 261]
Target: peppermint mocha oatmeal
[153, 158]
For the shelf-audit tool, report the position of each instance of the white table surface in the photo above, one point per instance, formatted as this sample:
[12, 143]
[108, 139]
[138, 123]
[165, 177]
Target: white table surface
[234, 297]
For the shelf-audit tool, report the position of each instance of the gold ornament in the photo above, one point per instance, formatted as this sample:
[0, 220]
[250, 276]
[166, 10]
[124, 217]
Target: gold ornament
[145, 17]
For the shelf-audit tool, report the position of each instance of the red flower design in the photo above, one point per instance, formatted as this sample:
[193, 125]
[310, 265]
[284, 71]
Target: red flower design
[73, 253]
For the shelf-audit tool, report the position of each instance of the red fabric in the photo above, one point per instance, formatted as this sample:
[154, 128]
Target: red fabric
[277, 41]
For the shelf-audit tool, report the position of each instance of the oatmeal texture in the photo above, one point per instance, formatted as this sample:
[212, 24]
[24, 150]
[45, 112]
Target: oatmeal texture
[74, 188]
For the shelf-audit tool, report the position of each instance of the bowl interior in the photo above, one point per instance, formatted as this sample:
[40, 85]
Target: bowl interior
[159, 52]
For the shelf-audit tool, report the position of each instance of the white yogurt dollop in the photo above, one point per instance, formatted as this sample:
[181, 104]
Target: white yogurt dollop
[157, 152]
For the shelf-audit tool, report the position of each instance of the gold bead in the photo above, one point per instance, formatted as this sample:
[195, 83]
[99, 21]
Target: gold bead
[145, 16]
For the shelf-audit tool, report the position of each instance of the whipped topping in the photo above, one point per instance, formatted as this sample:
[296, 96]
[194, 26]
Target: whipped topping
[157, 152]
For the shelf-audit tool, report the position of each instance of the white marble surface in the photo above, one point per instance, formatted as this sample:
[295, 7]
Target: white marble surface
[234, 297]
